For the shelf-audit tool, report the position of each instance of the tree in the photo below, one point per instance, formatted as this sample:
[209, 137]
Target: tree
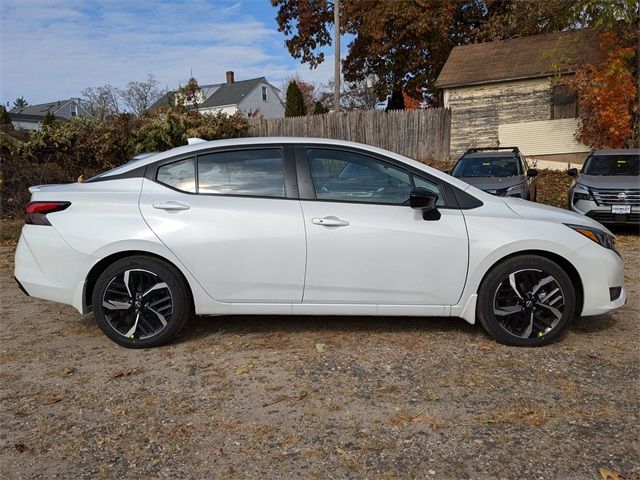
[5, 119]
[49, 119]
[319, 108]
[101, 102]
[607, 96]
[20, 103]
[190, 95]
[139, 96]
[405, 47]
[396, 101]
[294, 105]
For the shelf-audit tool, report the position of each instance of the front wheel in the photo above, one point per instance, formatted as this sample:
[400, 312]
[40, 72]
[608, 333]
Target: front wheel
[526, 301]
[141, 302]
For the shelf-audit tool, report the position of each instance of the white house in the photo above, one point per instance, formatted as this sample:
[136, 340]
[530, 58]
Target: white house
[514, 93]
[255, 96]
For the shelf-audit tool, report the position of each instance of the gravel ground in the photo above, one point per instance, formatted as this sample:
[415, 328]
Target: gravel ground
[292, 397]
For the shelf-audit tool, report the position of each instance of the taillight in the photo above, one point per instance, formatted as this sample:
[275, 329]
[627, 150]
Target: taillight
[36, 212]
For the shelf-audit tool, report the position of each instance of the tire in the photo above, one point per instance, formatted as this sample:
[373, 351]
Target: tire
[148, 309]
[526, 300]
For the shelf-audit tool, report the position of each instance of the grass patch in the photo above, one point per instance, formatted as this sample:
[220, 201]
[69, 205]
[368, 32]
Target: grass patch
[10, 231]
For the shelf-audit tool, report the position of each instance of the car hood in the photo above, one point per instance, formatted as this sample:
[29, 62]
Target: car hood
[622, 182]
[492, 183]
[538, 211]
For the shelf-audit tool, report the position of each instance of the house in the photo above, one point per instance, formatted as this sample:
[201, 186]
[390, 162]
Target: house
[255, 96]
[514, 93]
[31, 116]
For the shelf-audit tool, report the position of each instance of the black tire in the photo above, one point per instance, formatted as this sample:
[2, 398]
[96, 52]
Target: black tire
[512, 316]
[158, 297]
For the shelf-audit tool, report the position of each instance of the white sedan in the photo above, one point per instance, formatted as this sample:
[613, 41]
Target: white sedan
[302, 226]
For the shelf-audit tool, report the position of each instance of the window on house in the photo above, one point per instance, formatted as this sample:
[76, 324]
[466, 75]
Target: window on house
[564, 103]
[264, 94]
[74, 110]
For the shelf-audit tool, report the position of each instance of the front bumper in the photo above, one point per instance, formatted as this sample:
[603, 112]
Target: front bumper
[603, 213]
[601, 270]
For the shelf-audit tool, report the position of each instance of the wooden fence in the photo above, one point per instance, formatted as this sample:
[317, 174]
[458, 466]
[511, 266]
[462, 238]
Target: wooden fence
[418, 134]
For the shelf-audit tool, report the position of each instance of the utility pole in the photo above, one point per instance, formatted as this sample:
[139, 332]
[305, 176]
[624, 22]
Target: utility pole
[336, 40]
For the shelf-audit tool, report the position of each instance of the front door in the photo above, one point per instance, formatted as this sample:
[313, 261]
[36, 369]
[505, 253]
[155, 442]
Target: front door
[366, 245]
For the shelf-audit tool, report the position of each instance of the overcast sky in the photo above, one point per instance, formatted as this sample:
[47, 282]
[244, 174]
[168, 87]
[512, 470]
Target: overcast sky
[53, 49]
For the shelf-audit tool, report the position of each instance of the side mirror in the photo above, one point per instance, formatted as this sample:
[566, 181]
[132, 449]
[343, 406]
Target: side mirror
[572, 172]
[425, 200]
[532, 172]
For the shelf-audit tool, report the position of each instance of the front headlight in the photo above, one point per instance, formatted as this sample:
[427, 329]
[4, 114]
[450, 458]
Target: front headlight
[516, 189]
[601, 238]
[580, 192]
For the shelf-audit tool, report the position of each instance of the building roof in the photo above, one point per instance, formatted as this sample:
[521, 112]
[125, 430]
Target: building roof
[518, 58]
[224, 93]
[41, 109]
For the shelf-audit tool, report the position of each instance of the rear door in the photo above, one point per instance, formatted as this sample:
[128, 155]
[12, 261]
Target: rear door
[228, 217]
[365, 245]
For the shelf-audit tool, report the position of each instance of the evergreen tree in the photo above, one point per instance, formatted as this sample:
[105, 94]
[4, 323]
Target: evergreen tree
[49, 119]
[319, 109]
[294, 106]
[20, 103]
[5, 119]
[396, 101]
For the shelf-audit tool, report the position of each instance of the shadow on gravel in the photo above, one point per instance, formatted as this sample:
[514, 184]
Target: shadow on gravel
[595, 324]
[311, 324]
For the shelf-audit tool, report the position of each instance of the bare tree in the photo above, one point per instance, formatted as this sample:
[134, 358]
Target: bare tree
[139, 96]
[101, 101]
[353, 95]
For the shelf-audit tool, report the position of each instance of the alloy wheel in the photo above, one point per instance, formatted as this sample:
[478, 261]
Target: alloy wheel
[137, 304]
[529, 303]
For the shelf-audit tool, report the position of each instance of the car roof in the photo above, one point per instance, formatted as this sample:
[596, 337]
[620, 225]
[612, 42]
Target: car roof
[489, 154]
[248, 141]
[618, 151]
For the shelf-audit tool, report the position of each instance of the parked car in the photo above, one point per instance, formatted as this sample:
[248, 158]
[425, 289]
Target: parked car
[300, 226]
[607, 188]
[501, 171]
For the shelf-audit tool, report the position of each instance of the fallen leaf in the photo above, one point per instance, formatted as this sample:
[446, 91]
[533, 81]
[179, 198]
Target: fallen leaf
[243, 368]
[610, 474]
[341, 451]
[320, 347]
[68, 370]
[21, 447]
[126, 373]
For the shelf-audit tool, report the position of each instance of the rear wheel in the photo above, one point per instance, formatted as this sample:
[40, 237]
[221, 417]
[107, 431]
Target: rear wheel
[526, 301]
[141, 302]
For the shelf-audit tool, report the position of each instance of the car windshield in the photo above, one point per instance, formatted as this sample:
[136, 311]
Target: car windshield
[486, 167]
[612, 165]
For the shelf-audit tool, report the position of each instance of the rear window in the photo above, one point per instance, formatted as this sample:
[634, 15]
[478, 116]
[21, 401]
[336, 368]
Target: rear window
[628, 165]
[487, 167]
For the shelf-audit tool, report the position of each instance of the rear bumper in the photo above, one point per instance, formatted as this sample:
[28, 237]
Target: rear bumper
[47, 267]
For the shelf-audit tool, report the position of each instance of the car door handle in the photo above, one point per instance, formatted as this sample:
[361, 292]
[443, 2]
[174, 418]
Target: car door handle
[172, 206]
[330, 222]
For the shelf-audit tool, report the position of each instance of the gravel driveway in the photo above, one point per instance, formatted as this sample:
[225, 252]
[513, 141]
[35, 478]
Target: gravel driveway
[292, 397]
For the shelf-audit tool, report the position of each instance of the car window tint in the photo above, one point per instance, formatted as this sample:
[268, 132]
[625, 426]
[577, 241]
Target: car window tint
[625, 165]
[351, 177]
[244, 172]
[180, 175]
[432, 187]
[486, 167]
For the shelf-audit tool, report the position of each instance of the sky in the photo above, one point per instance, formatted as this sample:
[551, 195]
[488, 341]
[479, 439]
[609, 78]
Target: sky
[53, 49]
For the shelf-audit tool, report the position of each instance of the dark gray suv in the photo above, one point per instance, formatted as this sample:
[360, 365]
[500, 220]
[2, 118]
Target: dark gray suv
[501, 171]
[607, 188]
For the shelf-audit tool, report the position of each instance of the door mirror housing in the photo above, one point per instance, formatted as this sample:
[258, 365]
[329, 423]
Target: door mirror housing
[572, 172]
[532, 172]
[425, 200]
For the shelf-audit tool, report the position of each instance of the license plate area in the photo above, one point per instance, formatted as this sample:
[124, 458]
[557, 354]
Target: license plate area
[620, 209]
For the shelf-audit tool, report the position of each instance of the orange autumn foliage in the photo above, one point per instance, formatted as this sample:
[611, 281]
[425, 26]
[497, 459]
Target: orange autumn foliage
[607, 94]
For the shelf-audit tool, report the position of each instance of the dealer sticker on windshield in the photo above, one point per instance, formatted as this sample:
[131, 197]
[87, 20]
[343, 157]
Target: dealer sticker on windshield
[620, 208]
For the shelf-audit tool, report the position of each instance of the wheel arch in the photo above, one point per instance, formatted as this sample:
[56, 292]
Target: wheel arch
[103, 264]
[565, 264]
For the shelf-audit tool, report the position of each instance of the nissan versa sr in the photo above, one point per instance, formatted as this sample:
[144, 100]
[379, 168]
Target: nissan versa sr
[299, 226]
